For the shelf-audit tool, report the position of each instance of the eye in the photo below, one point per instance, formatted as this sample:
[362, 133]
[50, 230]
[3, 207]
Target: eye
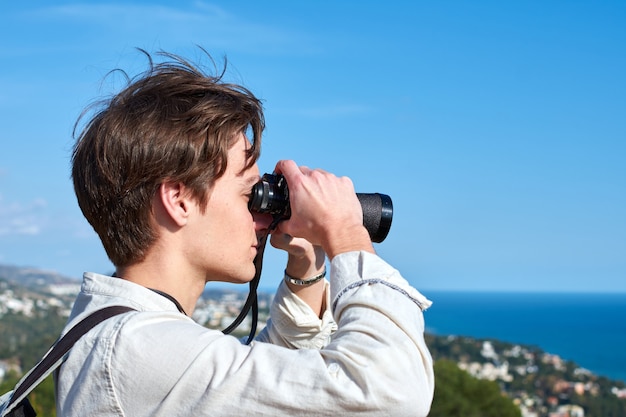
[248, 198]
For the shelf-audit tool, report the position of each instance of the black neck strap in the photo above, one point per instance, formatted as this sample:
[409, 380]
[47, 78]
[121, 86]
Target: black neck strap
[172, 299]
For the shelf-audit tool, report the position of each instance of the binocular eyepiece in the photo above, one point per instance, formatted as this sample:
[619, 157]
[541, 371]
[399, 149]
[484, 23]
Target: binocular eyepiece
[271, 195]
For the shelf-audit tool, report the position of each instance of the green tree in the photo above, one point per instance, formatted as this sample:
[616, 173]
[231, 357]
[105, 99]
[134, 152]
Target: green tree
[457, 393]
[41, 398]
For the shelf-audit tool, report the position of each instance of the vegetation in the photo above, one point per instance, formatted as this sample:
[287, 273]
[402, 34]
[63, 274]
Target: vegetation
[547, 380]
[459, 394]
[26, 339]
[41, 398]
[602, 405]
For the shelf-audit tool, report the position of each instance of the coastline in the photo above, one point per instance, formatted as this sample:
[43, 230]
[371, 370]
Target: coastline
[587, 329]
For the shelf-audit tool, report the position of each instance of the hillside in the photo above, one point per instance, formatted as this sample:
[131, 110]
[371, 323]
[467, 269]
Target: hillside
[33, 277]
[34, 306]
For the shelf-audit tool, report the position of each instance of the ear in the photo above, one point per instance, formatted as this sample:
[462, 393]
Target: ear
[176, 201]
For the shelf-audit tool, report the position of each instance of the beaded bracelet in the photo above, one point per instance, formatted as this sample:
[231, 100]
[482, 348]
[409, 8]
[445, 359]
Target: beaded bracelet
[305, 282]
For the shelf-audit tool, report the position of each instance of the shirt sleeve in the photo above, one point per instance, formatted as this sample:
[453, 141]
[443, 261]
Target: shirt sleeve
[293, 324]
[372, 333]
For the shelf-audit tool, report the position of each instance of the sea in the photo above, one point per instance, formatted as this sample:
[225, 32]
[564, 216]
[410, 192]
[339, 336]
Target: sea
[588, 329]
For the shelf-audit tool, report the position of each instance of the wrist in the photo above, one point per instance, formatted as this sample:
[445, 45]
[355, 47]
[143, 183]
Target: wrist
[306, 265]
[348, 239]
[305, 282]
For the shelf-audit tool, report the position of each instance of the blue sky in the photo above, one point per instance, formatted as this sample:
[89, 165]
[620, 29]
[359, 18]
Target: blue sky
[498, 128]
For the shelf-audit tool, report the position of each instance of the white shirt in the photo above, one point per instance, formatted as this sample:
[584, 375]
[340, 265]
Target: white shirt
[367, 354]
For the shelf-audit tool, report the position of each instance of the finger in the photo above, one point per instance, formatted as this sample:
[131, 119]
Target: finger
[281, 240]
[286, 166]
[298, 247]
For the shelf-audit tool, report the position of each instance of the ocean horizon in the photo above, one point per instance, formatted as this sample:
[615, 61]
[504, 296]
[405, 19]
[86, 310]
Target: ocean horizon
[588, 329]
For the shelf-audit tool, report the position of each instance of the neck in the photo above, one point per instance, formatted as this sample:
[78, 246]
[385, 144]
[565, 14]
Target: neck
[170, 281]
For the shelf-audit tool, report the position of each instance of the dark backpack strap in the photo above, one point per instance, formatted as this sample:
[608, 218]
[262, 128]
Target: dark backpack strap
[61, 347]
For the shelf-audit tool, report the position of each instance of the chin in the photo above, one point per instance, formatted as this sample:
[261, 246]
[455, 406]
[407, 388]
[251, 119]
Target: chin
[243, 277]
[240, 281]
[233, 277]
[249, 277]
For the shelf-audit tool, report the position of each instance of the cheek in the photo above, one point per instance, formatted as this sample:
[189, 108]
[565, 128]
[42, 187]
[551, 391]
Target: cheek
[239, 219]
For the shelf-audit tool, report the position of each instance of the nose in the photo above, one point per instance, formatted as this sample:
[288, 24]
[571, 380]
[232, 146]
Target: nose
[262, 221]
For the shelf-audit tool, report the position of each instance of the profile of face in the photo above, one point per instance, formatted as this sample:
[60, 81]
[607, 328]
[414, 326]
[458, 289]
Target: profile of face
[223, 240]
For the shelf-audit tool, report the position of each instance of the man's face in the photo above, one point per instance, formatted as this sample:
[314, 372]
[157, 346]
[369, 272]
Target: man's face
[225, 236]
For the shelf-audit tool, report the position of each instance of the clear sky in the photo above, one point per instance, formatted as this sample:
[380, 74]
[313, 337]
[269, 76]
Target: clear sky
[498, 128]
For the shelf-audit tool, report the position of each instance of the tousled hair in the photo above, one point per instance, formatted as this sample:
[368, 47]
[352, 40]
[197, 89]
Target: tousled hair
[172, 123]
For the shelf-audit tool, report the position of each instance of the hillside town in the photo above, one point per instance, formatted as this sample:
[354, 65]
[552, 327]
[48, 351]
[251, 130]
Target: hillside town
[496, 366]
[511, 366]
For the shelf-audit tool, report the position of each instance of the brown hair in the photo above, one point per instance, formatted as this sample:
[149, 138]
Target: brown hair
[173, 123]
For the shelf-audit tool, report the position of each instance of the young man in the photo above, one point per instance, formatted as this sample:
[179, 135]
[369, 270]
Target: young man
[163, 173]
